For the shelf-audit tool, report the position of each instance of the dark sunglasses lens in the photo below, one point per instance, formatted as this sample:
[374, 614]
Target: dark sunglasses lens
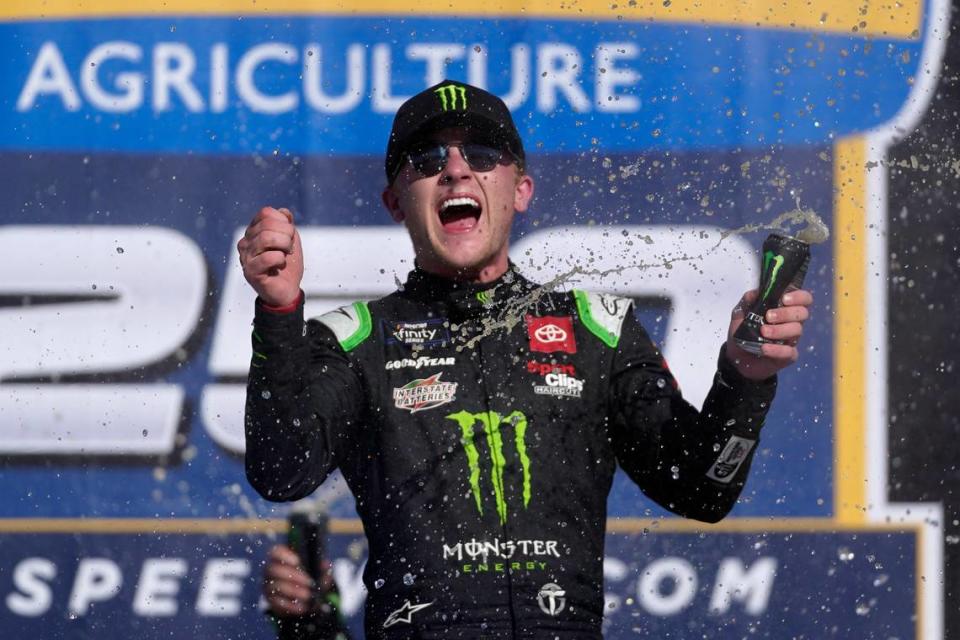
[429, 161]
[480, 157]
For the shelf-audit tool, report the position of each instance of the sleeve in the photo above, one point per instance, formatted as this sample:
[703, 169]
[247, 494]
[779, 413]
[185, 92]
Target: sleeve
[303, 398]
[694, 463]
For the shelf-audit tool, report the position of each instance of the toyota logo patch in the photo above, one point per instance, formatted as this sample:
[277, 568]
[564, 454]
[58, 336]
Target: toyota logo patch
[549, 334]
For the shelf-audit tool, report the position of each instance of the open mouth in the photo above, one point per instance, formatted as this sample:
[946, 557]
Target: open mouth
[459, 214]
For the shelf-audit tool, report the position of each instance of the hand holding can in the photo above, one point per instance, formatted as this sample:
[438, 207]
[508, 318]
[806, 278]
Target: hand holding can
[783, 264]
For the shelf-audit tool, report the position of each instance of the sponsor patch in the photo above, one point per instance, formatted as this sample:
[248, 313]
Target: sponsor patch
[425, 333]
[560, 385]
[501, 556]
[552, 599]
[543, 368]
[730, 459]
[419, 363]
[492, 426]
[549, 334]
[404, 614]
[498, 549]
[424, 393]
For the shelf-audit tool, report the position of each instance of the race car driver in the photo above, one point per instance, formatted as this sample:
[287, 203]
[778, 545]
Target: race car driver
[477, 417]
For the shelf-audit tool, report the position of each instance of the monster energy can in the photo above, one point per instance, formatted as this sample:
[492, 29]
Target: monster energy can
[306, 535]
[784, 263]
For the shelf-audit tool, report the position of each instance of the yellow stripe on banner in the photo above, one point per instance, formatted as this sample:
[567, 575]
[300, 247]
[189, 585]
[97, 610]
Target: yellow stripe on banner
[888, 18]
[849, 347]
[754, 525]
[165, 526]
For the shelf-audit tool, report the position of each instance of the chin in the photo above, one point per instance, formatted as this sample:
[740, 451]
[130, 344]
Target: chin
[463, 257]
[460, 263]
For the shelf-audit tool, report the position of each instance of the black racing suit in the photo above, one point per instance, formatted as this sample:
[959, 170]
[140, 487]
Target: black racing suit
[479, 427]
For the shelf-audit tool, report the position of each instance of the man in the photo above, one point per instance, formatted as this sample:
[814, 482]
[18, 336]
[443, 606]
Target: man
[477, 418]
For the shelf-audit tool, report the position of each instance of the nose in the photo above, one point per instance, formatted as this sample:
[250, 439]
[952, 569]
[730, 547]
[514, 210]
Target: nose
[457, 167]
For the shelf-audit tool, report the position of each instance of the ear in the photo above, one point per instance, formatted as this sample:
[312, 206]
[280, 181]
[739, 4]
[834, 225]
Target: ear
[522, 193]
[392, 203]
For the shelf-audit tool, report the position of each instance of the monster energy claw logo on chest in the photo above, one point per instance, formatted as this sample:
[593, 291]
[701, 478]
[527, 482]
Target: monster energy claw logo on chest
[452, 97]
[490, 424]
[784, 263]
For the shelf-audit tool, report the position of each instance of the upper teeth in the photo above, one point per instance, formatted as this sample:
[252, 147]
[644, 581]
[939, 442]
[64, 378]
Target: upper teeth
[454, 202]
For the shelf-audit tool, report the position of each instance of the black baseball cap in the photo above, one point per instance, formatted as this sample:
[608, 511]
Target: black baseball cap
[451, 104]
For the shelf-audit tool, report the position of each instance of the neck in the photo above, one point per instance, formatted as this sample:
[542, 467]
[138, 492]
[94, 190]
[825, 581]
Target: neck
[482, 275]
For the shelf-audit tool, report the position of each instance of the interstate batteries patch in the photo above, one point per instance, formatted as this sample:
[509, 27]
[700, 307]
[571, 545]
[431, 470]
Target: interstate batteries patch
[424, 393]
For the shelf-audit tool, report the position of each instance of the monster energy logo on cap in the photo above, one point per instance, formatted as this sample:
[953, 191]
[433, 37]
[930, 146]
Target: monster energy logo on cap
[490, 422]
[452, 97]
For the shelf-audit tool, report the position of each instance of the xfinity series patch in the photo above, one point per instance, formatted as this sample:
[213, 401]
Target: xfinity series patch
[551, 333]
[424, 393]
[730, 459]
[426, 333]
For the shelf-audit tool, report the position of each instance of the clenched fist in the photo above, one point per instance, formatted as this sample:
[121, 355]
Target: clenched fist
[272, 257]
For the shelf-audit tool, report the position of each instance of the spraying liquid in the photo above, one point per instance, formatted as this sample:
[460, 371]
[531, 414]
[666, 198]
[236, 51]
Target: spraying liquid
[813, 231]
[802, 227]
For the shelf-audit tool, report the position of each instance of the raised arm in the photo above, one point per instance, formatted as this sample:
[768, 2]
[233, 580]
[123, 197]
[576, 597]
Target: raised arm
[695, 463]
[303, 394]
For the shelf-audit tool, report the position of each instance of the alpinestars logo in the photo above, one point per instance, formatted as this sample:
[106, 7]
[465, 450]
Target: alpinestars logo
[405, 613]
[490, 423]
[452, 97]
[424, 393]
[769, 257]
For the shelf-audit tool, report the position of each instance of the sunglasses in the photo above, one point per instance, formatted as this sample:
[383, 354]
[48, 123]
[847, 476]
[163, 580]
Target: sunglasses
[430, 159]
